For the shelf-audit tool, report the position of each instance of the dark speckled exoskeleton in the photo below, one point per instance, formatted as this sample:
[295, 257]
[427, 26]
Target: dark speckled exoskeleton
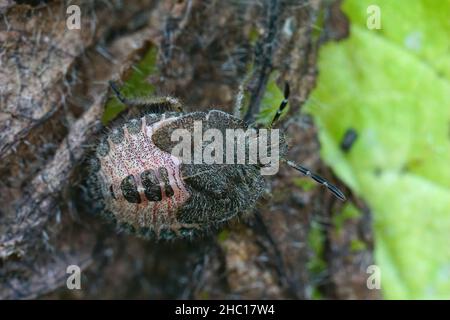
[135, 181]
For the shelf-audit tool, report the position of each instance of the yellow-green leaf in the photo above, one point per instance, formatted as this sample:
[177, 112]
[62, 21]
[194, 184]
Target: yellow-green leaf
[392, 86]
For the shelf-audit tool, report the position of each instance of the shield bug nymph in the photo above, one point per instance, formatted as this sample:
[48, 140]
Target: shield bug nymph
[137, 182]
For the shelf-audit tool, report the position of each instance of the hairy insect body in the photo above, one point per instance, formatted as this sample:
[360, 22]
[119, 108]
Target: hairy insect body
[141, 183]
[136, 180]
[147, 191]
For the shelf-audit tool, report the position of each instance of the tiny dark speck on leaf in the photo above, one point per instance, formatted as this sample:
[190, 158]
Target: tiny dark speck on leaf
[378, 172]
[349, 139]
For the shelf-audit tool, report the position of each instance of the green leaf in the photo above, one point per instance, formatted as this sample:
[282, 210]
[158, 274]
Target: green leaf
[136, 85]
[393, 87]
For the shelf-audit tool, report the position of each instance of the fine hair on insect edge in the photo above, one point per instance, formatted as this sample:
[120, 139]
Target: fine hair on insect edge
[137, 182]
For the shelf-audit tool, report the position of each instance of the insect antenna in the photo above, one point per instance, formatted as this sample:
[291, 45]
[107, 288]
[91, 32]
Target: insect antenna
[283, 105]
[333, 189]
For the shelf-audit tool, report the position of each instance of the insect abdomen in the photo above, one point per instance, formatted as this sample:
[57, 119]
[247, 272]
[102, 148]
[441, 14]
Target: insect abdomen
[140, 184]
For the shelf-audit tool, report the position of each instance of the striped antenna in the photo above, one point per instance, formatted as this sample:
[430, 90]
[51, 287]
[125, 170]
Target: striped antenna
[333, 189]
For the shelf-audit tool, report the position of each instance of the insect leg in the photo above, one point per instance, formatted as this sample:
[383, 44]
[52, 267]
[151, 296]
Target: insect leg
[149, 104]
[283, 105]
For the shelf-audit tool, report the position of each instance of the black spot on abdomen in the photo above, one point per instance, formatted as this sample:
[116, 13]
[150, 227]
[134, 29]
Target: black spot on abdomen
[129, 190]
[165, 177]
[150, 182]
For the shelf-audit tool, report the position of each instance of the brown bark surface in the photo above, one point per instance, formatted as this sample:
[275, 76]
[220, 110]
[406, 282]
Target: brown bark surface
[53, 88]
